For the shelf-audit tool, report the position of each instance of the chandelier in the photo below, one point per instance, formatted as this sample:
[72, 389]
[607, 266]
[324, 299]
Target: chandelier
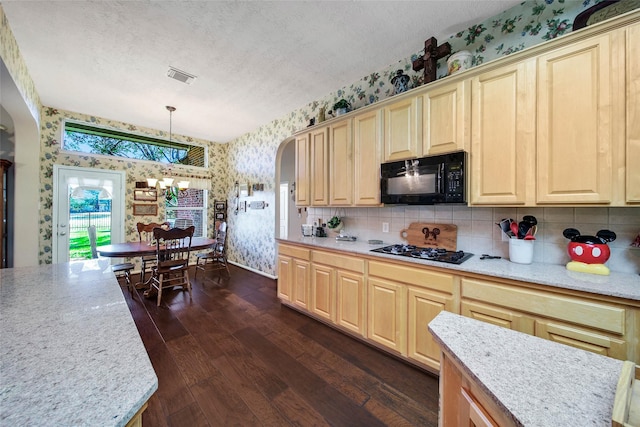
[170, 190]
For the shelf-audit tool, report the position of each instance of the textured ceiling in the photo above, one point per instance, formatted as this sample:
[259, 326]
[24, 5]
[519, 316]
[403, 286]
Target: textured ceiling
[254, 61]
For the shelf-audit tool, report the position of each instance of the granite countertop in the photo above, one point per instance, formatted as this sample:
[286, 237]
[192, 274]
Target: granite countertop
[536, 382]
[70, 353]
[619, 285]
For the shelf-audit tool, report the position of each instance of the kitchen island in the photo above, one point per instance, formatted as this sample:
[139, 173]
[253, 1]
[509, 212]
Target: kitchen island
[518, 380]
[70, 353]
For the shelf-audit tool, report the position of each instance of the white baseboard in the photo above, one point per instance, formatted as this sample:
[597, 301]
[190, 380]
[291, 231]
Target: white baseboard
[262, 273]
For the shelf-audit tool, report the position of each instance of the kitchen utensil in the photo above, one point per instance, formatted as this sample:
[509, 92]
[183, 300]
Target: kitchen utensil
[530, 219]
[514, 229]
[486, 256]
[424, 234]
[505, 225]
[523, 228]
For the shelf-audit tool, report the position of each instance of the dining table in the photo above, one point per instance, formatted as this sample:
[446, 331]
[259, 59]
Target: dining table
[136, 249]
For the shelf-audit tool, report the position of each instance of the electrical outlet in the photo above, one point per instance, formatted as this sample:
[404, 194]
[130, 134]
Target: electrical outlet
[385, 227]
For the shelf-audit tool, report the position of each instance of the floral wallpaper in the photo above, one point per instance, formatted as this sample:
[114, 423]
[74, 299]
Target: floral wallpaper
[51, 153]
[252, 156]
[10, 54]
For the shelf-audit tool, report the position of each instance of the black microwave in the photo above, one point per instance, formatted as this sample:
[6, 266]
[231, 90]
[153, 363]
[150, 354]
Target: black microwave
[424, 181]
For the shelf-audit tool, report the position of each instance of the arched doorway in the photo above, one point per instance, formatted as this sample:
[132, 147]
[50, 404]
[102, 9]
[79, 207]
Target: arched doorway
[285, 183]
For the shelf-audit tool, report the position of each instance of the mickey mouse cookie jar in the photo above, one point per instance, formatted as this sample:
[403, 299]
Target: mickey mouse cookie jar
[589, 253]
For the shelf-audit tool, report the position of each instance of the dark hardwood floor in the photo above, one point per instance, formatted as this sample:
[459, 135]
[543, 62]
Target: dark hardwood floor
[235, 356]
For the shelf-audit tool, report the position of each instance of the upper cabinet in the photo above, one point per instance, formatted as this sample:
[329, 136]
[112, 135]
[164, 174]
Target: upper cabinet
[503, 135]
[446, 118]
[341, 163]
[302, 170]
[403, 129]
[575, 122]
[632, 82]
[367, 143]
[319, 179]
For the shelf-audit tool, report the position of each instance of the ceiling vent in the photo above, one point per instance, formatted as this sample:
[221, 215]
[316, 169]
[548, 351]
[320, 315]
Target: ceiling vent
[180, 75]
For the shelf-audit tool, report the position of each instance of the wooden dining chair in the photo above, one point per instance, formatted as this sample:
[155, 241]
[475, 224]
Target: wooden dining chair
[216, 259]
[172, 259]
[145, 234]
[122, 269]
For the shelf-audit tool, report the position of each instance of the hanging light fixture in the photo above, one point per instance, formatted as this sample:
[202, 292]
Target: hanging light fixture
[166, 183]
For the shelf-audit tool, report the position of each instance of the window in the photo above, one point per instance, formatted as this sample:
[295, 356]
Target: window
[89, 139]
[187, 207]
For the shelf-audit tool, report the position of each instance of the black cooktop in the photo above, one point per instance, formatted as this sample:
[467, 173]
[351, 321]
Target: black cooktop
[431, 254]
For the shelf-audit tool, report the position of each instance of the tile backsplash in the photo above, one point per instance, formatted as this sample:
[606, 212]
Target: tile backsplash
[479, 234]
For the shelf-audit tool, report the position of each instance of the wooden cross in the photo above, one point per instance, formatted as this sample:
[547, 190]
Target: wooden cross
[432, 52]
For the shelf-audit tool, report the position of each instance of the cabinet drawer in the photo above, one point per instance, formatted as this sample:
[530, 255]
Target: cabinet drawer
[582, 339]
[583, 312]
[338, 260]
[294, 251]
[414, 276]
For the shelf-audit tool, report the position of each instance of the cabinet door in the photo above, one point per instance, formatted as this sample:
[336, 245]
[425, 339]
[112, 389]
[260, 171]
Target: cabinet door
[367, 137]
[503, 136]
[474, 415]
[341, 163]
[285, 277]
[302, 170]
[498, 316]
[424, 306]
[584, 339]
[319, 179]
[447, 118]
[575, 124]
[386, 314]
[403, 129]
[323, 291]
[301, 284]
[350, 301]
[633, 114]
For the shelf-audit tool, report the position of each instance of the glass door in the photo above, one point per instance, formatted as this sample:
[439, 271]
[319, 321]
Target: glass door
[84, 197]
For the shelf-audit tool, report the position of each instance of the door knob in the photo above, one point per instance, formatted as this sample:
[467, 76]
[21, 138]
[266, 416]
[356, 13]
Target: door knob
[62, 234]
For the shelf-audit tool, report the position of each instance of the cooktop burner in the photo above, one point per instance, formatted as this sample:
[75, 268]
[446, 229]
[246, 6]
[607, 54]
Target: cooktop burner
[431, 254]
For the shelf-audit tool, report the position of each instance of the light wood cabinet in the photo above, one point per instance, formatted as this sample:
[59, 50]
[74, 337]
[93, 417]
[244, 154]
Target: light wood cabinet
[293, 274]
[367, 142]
[574, 136]
[285, 277]
[503, 144]
[632, 167]
[323, 291]
[350, 301]
[302, 170]
[423, 306]
[421, 295]
[387, 324]
[463, 402]
[301, 283]
[447, 118]
[403, 129]
[319, 176]
[601, 328]
[340, 164]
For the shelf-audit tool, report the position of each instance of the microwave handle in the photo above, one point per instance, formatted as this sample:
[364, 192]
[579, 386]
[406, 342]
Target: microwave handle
[440, 179]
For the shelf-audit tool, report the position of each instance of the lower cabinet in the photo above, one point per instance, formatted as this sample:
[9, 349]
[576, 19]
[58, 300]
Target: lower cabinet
[463, 403]
[387, 320]
[402, 302]
[390, 304]
[337, 290]
[601, 328]
[294, 274]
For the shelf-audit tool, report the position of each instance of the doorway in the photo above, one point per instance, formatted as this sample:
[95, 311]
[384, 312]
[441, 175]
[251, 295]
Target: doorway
[84, 197]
